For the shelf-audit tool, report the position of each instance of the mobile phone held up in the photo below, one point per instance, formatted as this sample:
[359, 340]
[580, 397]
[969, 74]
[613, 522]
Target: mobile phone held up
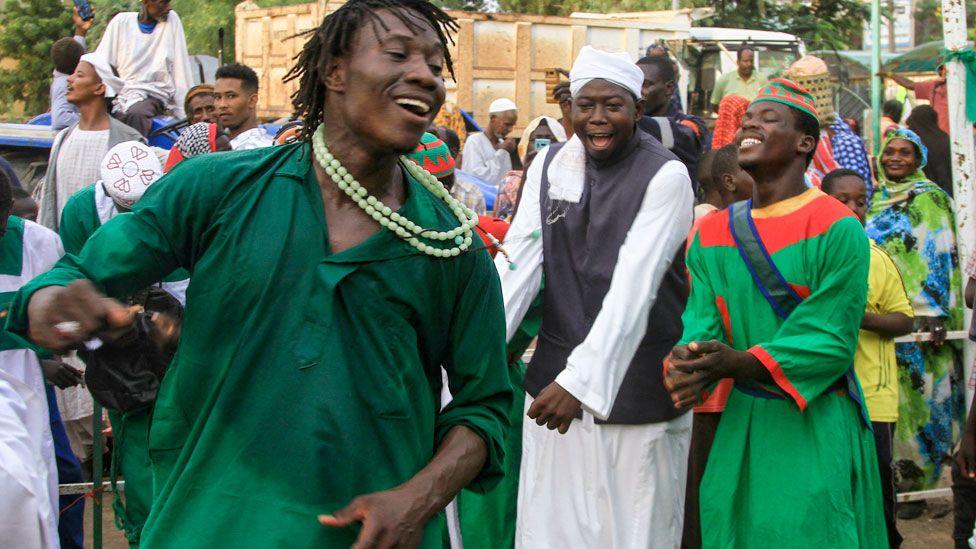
[85, 10]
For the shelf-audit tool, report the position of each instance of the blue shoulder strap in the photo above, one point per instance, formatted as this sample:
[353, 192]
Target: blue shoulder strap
[773, 286]
[770, 281]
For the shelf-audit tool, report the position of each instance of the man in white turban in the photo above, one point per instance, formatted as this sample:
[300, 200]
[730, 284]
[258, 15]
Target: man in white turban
[603, 218]
[488, 154]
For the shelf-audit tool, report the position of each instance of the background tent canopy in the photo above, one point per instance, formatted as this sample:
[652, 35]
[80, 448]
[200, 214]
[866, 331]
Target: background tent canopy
[923, 58]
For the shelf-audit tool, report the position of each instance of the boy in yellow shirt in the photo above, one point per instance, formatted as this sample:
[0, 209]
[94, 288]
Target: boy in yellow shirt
[889, 315]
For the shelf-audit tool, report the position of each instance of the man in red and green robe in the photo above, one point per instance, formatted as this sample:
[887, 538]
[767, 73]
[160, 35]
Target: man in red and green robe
[793, 463]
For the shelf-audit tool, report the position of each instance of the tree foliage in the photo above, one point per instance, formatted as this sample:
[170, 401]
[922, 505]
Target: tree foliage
[30, 28]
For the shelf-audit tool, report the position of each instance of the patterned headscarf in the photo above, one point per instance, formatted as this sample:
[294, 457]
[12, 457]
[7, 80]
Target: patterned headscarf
[849, 150]
[789, 93]
[200, 138]
[433, 155]
[894, 192]
[730, 112]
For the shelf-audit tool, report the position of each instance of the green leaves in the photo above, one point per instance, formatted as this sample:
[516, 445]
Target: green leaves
[30, 27]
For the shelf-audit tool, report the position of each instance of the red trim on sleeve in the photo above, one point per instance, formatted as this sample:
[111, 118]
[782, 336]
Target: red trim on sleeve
[778, 376]
[723, 311]
[802, 291]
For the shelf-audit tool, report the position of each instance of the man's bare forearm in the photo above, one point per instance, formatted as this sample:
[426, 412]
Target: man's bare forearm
[458, 460]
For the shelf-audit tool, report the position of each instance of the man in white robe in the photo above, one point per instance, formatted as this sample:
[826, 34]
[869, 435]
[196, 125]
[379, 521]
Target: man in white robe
[148, 49]
[488, 154]
[604, 218]
[28, 472]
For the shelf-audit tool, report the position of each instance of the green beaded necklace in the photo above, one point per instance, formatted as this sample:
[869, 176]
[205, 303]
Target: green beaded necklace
[399, 225]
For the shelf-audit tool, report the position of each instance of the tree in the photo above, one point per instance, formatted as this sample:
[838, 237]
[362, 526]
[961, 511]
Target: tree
[30, 28]
[822, 24]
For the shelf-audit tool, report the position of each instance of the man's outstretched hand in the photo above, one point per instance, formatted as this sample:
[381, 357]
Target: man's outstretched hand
[393, 518]
[555, 408]
[62, 318]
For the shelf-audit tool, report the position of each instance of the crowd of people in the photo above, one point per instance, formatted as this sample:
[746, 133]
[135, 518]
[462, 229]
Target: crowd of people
[317, 337]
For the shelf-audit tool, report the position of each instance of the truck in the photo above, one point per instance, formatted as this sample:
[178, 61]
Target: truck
[508, 54]
[495, 54]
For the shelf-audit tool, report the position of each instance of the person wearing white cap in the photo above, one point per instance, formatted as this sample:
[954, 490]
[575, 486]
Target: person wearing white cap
[488, 154]
[603, 218]
[77, 150]
[148, 48]
[76, 155]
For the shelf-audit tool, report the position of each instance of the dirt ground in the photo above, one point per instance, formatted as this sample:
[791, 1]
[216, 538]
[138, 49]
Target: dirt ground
[933, 530]
[930, 531]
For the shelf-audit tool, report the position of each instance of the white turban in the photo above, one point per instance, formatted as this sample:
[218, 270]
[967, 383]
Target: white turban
[113, 84]
[615, 67]
[127, 170]
[501, 105]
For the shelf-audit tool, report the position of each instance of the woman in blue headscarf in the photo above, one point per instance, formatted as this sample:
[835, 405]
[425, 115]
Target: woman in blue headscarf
[913, 220]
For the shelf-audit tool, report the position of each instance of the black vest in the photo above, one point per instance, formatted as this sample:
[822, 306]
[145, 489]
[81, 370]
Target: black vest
[580, 252]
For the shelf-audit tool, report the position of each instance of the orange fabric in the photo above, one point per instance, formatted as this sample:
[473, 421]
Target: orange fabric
[780, 225]
[730, 112]
[778, 376]
[493, 226]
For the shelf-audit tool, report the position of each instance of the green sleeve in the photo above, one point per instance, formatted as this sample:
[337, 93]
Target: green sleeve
[701, 319]
[76, 224]
[814, 347]
[475, 364]
[167, 229]
[719, 91]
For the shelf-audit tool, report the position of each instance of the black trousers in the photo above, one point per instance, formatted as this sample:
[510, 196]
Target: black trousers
[703, 428]
[963, 507]
[884, 442]
[140, 115]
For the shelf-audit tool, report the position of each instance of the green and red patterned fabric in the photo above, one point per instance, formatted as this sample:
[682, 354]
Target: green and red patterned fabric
[790, 94]
[768, 479]
[433, 155]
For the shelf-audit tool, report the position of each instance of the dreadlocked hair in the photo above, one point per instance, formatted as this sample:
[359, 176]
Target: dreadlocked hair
[334, 38]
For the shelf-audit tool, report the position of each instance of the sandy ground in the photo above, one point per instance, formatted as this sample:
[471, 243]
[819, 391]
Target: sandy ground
[930, 531]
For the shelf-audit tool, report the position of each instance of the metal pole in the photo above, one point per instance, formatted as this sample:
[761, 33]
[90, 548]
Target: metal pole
[875, 79]
[97, 477]
[961, 136]
[891, 26]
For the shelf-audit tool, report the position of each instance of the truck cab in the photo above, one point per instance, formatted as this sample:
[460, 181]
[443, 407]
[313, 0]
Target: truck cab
[711, 52]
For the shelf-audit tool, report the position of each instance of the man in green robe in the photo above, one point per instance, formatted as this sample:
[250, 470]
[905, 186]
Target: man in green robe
[793, 463]
[308, 373]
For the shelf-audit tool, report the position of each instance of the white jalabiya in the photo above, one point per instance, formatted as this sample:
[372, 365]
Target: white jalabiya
[28, 509]
[597, 486]
[597, 367]
[152, 65]
[254, 138]
[483, 160]
[22, 372]
[602, 486]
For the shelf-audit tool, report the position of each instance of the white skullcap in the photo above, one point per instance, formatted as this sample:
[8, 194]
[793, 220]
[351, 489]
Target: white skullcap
[113, 84]
[127, 170]
[501, 105]
[615, 67]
